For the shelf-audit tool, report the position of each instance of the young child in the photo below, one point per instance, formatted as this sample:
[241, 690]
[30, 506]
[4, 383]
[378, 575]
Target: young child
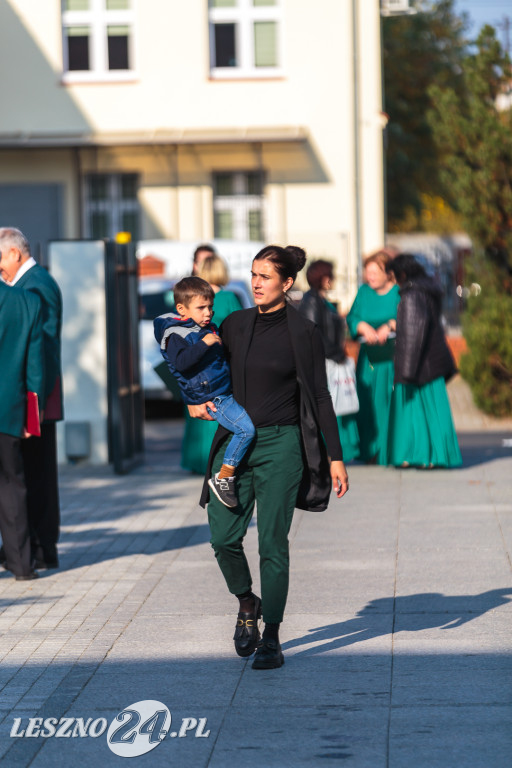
[191, 346]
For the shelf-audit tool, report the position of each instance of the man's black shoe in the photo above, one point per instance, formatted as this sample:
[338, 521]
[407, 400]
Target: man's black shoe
[28, 576]
[45, 557]
[247, 633]
[224, 490]
[268, 655]
[45, 565]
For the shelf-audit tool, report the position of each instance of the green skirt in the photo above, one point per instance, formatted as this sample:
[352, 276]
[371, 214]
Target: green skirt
[374, 389]
[421, 431]
[349, 436]
[197, 441]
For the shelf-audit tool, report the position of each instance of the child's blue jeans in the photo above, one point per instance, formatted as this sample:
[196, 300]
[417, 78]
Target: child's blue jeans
[232, 416]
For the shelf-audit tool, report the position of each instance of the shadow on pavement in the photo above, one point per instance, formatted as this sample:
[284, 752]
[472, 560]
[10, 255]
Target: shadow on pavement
[335, 708]
[413, 613]
[482, 447]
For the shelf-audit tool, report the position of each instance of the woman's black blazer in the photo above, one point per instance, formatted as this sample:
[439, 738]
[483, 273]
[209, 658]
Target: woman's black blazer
[316, 411]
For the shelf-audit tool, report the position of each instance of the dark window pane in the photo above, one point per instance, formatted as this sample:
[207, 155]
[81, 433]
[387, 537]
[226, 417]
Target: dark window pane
[118, 48]
[76, 5]
[155, 304]
[223, 184]
[129, 221]
[223, 225]
[255, 225]
[98, 187]
[99, 226]
[225, 54]
[78, 52]
[129, 186]
[254, 184]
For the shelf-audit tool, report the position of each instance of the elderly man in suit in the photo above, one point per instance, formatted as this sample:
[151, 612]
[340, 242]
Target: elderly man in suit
[22, 366]
[19, 269]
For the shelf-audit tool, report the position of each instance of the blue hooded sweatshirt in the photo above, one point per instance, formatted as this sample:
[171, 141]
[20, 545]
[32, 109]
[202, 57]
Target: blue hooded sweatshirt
[201, 371]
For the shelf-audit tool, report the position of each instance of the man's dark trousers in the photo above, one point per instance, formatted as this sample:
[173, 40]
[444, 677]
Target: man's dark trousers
[41, 477]
[270, 475]
[13, 507]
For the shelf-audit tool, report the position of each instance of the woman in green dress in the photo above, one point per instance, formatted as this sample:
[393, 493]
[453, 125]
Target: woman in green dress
[372, 320]
[421, 431]
[316, 307]
[198, 436]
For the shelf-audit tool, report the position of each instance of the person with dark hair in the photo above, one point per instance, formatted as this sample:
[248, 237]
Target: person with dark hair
[278, 372]
[372, 320]
[198, 434]
[201, 253]
[421, 431]
[193, 351]
[316, 307]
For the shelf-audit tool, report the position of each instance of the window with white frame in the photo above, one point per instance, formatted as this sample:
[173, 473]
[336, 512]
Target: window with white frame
[111, 205]
[245, 38]
[97, 39]
[238, 205]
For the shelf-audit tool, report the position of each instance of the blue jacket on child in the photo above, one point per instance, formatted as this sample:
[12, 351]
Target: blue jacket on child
[201, 371]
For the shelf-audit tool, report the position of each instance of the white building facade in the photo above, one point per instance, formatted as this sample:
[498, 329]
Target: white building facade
[238, 119]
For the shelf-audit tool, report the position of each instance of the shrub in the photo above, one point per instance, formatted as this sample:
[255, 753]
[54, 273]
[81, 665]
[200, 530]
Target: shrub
[487, 366]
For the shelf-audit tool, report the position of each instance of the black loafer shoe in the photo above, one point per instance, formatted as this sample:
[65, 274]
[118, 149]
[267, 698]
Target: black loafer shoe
[247, 633]
[268, 655]
[28, 576]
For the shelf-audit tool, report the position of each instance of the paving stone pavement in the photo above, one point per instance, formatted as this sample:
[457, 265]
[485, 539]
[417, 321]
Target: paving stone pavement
[397, 634]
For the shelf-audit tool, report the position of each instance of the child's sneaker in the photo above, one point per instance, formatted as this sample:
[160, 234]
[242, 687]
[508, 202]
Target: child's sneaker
[224, 490]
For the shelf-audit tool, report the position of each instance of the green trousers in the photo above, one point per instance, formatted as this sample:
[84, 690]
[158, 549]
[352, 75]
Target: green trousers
[269, 475]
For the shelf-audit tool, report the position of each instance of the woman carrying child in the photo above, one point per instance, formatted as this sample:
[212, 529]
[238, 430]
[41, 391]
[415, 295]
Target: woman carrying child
[191, 346]
[278, 372]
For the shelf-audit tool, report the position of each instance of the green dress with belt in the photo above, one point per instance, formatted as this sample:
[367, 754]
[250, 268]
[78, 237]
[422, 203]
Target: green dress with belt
[198, 436]
[374, 372]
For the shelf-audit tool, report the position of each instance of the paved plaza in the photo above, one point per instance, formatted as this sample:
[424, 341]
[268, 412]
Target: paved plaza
[397, 636]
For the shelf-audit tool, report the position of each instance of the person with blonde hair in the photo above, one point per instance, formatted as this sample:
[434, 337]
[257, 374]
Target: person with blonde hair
[198, 435]
[214, 270]
[372, 320]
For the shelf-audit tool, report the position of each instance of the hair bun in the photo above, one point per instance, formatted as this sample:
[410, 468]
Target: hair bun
[299, 254]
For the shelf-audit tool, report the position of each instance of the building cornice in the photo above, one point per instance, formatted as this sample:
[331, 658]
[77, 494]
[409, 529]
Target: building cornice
[242, 135]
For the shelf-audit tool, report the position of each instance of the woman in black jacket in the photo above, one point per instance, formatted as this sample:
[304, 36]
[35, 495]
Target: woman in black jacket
[421, 431]
[316, 307]
[278, 372]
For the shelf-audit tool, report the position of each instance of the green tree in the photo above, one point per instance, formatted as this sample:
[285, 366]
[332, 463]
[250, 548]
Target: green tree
[418, 51]
[475, 139]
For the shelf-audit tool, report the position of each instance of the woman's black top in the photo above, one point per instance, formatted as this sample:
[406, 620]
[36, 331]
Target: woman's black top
[271, 389]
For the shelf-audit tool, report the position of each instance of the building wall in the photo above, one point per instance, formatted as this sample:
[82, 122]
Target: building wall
[310, 192]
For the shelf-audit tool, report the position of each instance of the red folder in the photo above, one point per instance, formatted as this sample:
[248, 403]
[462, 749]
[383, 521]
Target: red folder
[32, 424]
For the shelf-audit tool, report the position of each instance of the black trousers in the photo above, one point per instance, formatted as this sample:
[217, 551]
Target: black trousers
[13, 507]
[41, 477]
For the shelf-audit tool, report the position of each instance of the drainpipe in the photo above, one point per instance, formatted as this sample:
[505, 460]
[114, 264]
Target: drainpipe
[357, 169]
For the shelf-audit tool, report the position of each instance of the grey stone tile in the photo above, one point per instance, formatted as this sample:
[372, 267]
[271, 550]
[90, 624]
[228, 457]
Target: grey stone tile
[444, 737]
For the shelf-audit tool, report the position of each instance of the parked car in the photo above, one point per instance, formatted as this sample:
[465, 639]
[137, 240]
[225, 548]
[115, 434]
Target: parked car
[156, 298]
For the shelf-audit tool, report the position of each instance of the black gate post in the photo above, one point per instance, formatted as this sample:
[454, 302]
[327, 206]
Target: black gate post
[125, 396]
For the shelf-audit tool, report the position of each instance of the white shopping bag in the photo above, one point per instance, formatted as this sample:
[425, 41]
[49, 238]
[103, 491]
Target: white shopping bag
[341, 380]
